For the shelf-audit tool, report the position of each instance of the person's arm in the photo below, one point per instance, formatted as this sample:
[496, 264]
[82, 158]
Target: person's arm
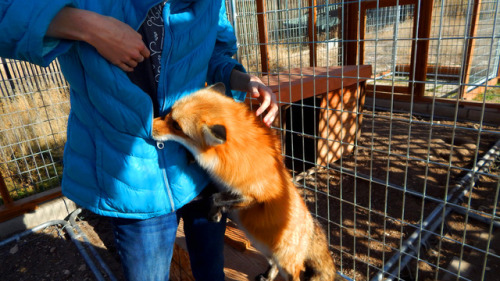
[23, 25]
[251, 84]
[114, 40]
[223, 68]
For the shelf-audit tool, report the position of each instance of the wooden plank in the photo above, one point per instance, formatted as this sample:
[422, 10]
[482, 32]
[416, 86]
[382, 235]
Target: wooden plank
[180, 267]
[342, 90]
[4, 192]
[389, 89]
[333, 83]
[339, 123]
[240, 264]
[27, 204]
[471, 44]
[262, 25]
[498, 71]
[386, 3]
[451, 109]
[429, 100]
[313, 37]
[301, 83]
[440, 70]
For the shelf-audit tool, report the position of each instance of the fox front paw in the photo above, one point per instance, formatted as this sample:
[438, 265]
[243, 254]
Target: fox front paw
[215, 214]
[261, 277]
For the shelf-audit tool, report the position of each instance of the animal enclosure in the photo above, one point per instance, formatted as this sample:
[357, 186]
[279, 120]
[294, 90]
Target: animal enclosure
[389, 121]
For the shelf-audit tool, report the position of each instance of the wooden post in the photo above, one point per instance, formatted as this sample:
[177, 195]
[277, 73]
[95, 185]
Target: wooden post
[8, 74]
[420, 47]
[471, 43]
[498, 71]
[362, 28]
[4, 192]
[313, 37]
[351, 19]
[339, 122]
[262, 25]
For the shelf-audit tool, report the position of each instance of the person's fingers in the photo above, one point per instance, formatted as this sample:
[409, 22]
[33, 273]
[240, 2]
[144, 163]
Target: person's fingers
[131, 63]
[145, 52]
[125, 67]
[265, 100]
[255, 92]
[271, 114]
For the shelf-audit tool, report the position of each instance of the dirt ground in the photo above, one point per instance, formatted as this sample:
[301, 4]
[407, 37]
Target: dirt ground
[51, 255]
[366, 221]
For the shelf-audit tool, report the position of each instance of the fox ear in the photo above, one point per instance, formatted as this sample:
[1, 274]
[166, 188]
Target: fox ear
[219, 88]
[214, 135]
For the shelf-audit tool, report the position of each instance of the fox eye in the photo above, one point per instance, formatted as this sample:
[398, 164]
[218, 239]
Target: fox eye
[176, 126]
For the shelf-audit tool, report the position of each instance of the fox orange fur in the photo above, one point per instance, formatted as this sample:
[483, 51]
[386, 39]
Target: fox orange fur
[244, 157]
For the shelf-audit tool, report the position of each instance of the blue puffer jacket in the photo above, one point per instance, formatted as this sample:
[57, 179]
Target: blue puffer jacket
[111, 164]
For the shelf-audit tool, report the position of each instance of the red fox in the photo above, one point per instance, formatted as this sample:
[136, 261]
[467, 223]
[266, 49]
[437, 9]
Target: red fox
[243, 156]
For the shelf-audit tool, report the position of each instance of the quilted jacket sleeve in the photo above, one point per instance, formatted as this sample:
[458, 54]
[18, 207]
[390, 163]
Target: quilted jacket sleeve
[23, 24]
[221, 63]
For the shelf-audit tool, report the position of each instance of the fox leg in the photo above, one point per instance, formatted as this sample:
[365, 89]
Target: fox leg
[270, 273]
[312, 271]
[222, 202]
[319, 262]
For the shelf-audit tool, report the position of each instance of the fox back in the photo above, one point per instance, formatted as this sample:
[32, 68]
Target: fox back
[226, 139]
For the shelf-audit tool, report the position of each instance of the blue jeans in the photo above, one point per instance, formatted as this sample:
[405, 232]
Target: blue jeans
[146, 246]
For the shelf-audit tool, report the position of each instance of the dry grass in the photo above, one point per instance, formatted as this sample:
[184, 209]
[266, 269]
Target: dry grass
[33, 116]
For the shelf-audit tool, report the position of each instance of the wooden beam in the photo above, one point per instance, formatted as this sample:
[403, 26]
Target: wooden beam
[313, 37]
[498, 71]
[440, 70]
[262, 25]
[4, 192]
[28, 204]
[420, 47]
[471, 43]
[439, 107]
[339, 122]
[306, 82]
[389, 89]
[386, 3]
[362, 27]
[351, 20]
[430, 100]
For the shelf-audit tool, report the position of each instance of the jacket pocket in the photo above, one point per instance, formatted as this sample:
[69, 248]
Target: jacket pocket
[130, 184]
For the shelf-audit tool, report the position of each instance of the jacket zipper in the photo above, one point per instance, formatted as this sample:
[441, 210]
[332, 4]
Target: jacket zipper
[165, 56]
[160, 145]
[164, 59]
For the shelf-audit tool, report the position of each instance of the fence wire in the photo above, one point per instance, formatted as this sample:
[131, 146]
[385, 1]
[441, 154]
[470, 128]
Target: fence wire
[399, 202]
[34, 105]
[389, 122]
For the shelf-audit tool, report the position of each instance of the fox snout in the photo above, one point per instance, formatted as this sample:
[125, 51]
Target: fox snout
[160, 127]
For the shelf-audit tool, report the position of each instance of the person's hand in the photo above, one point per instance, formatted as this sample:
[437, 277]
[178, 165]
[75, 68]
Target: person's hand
[119, 43]
[266, 97]
[253, 85]
[114, 40]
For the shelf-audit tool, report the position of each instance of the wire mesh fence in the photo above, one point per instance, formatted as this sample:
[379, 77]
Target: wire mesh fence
[409, 196]
[377, 123]
[34, 105]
